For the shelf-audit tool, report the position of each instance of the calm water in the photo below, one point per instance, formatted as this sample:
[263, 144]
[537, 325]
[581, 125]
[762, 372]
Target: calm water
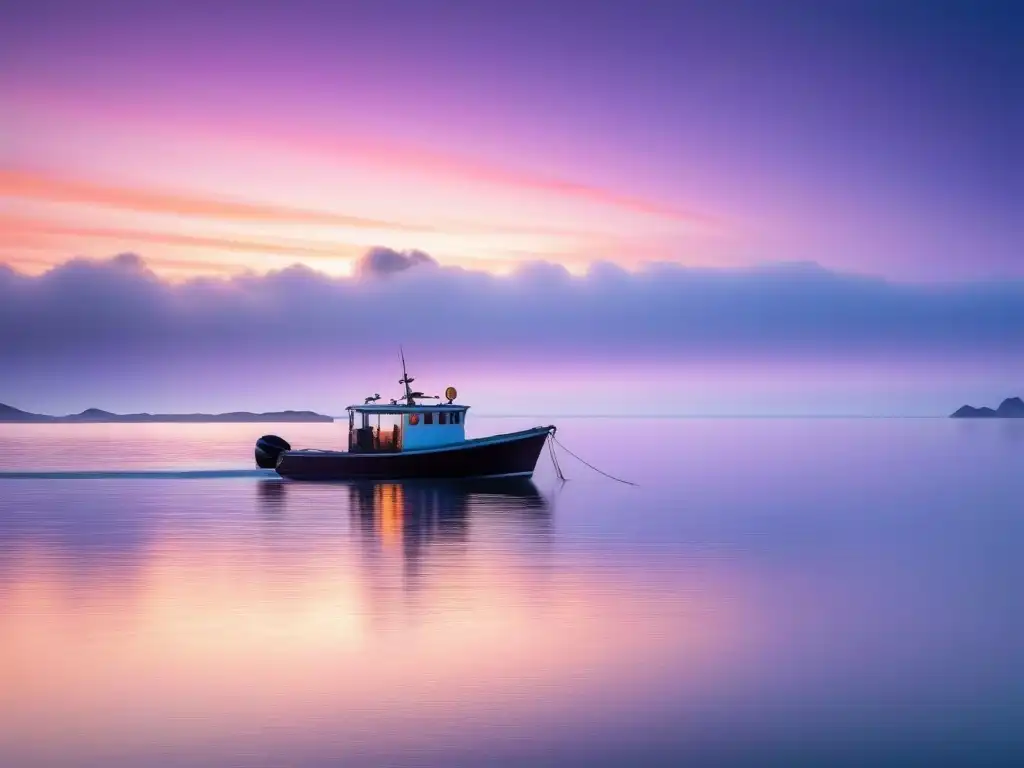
[774, 592]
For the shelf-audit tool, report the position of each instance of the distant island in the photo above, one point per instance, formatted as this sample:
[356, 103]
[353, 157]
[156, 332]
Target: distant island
[1010, 408]
[96, 416]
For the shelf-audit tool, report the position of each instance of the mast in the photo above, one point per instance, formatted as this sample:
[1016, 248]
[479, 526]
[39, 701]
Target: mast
[405, 379]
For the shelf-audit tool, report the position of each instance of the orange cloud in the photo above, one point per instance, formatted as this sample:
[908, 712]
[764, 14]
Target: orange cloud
[47, 188]
[27, 185]
[291, 137]
[461, 167]
[14, 228]
[550, 184]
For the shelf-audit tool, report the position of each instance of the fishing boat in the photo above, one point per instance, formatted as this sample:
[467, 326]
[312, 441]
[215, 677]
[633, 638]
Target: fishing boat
[407, 439]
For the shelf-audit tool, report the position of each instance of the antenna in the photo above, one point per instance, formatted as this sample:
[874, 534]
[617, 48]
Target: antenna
[405, 379]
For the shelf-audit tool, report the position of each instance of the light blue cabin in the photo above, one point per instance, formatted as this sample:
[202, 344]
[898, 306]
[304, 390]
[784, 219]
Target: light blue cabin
[394, 427]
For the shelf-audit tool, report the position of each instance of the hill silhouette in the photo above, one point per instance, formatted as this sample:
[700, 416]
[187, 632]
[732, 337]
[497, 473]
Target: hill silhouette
[1010, 408]
[10, 414]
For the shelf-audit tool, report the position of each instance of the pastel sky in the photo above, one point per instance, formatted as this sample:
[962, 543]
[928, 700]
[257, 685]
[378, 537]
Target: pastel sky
[868, 155]
[879, 137]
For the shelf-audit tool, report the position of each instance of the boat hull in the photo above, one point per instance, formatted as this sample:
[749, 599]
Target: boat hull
[510, 455]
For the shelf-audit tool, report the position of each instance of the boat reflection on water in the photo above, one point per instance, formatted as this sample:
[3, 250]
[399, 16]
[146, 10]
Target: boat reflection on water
[415, 512]
[272, 496]
[439, 510]
[421, 525]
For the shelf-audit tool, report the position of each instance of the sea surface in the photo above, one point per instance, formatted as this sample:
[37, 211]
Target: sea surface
[773, 592]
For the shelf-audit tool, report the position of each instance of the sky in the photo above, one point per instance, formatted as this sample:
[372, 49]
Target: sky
[633, 189]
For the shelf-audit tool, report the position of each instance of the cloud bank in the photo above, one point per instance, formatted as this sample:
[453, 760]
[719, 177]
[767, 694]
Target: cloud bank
[118, 309]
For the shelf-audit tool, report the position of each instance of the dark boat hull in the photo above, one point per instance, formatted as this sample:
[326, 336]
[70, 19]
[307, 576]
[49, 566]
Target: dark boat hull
[511, 455]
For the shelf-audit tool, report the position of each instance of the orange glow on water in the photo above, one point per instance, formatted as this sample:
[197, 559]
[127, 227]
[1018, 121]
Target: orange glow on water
[388, 506]
[199, 638]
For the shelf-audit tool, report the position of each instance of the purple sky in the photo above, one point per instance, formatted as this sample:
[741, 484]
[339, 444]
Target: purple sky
[724, 141]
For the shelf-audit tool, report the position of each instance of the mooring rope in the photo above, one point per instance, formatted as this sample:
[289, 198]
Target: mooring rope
[558, 469]
[554, 459]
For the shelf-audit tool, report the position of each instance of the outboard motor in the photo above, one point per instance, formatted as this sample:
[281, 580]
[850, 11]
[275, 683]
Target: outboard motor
[268, 449]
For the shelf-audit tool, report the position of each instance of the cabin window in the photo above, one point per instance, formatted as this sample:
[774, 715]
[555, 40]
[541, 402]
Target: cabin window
[414, 419]
[428, 418]
[442, 418]
[455, 418]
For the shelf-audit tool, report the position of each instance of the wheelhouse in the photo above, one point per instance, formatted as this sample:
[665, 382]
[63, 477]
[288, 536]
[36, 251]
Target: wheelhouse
[394, 428]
